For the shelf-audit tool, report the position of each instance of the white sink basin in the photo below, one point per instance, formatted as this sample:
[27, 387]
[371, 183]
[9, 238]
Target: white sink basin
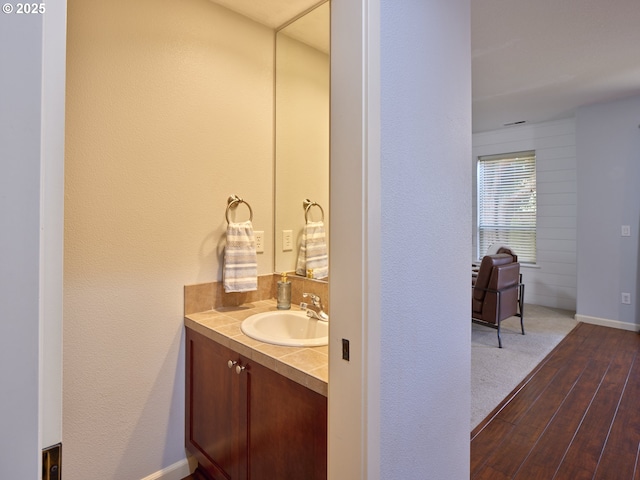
[286, 327]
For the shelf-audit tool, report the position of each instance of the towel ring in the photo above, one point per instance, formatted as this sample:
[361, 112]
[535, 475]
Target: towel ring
[307, 204]
[232, 202]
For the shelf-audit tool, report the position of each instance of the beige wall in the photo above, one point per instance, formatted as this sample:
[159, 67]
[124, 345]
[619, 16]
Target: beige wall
[169, 111]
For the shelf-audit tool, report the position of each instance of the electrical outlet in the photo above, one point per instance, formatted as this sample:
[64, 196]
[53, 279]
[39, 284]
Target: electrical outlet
[287, 240]
[259, 236]
[626, 230]
[626, 298]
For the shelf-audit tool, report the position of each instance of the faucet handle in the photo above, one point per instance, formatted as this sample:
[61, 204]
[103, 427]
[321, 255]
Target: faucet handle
[315, 299]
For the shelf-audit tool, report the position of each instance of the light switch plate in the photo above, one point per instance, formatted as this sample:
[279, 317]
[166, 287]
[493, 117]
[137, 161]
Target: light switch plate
[626, 230]
[287, 240]
[259, 236]
[626, 298]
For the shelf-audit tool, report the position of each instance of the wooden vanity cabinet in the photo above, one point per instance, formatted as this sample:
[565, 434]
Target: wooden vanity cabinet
[256, 424]
[216, 409]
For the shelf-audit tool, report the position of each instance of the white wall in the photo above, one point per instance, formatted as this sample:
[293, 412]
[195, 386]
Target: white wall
[169, 111]
[552, 282]
[353, 313]
[32, 52]
[52, 221]
[608, 142]
[20, 122]
[401, 137]
[426, 135]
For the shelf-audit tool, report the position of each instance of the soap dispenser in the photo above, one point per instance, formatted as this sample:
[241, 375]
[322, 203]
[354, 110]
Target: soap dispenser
[284, 293]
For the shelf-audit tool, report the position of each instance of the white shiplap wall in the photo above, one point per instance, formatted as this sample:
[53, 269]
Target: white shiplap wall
[552, 281]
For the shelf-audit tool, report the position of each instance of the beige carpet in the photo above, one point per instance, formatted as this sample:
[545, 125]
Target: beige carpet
[495, 372]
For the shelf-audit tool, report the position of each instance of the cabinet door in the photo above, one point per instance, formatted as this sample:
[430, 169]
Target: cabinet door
[216, 409]
[287, 428]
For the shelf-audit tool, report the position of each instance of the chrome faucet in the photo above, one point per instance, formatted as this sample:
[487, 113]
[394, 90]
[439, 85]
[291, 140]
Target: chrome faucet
[315, 310]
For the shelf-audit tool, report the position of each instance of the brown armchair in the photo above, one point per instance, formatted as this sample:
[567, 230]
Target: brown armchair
[498, 292]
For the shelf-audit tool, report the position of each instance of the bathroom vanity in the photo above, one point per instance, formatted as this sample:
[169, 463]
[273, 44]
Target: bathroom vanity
[253, 410]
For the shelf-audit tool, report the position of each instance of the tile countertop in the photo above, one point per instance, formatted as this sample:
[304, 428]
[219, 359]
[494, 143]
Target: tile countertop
[307, 366]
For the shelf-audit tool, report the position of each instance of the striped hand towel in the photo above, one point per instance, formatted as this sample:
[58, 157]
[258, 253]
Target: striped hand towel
[240, 259]
[313, 251]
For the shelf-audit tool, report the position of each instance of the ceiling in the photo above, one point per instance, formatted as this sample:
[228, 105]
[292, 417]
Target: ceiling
[272, 13]
[532, 61]
[540, 60]
[312, 28]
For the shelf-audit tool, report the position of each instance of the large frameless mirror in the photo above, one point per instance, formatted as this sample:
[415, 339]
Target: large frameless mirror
[302, 80]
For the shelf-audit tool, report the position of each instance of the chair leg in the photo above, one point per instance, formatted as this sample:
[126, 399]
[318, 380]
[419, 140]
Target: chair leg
[498, 307]
[521, 305]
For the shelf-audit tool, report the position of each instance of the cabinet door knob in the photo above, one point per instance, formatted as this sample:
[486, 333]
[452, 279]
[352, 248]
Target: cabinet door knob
[239, 369]
[231, 363]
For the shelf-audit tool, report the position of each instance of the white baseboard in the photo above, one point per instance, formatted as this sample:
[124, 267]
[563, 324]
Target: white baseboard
[605, 322]
[177, 471]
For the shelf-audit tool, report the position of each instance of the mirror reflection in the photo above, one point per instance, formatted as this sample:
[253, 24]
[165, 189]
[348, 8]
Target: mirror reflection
[302, 144]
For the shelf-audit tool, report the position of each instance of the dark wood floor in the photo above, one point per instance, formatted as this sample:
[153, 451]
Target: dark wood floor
[195, 476]
[577, 416]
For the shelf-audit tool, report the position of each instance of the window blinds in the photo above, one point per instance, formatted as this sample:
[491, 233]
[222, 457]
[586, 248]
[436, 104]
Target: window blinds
[507, 203]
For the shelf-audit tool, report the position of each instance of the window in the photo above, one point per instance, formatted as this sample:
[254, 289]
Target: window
[507, 203]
